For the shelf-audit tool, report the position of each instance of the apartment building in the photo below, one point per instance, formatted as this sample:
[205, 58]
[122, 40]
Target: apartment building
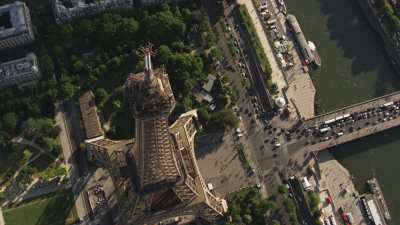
[21, 72]
[67, 10]
[15, 25]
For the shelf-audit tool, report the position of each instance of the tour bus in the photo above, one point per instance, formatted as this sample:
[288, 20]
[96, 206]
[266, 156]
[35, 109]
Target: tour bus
[329, 121]
[388, 104]
[325, 129]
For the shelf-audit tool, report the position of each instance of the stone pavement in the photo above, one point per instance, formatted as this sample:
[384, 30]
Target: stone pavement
[301, 93]
[220, 165]
[337, 179]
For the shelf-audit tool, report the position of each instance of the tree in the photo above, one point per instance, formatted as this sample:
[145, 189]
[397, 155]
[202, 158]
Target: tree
[204, 115]
[78, 66]
[46, 65]
[67, 90]
[67, 32]
[275, 222]
[282, 189]
[163, 27]
[247, 219]
[128, 27]
[85, 27]
[10, 121]
[223, 119]
[101, 94]
[116, 104]
[164, 54]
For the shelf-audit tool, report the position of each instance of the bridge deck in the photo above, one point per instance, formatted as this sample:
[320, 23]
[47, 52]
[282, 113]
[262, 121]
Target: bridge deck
[360, 120]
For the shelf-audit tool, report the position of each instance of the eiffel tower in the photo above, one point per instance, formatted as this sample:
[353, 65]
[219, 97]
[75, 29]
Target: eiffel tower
[165, 183]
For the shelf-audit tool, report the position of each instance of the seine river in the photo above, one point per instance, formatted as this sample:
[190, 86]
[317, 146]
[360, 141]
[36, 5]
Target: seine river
[354, 68]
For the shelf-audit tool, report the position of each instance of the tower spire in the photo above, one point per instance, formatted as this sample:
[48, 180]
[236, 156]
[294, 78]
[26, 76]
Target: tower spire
[148, 67]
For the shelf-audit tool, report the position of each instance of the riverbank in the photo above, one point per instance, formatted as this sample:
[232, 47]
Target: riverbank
[374, 20]
[337, 182]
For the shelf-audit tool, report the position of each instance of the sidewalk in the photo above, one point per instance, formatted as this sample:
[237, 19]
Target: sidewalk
[1, 218]
[277, 75]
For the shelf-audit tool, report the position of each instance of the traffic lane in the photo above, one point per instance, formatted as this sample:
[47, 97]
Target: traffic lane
[243, 66]
[303, 139]
[256, 74]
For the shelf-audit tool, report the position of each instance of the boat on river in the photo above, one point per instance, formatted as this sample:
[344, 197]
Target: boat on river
[317, 60]
[377, 193]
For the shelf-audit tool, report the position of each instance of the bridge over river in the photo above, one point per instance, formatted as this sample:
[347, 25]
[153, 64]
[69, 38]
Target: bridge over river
[346, 124]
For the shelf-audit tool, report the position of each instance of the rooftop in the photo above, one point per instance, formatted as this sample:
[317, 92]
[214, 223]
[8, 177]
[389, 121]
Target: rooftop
[90, 117]
[18, 67]
[12, 19]
[210, 83]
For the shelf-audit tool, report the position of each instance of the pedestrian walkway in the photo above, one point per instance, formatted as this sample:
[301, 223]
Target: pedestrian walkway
[301, 93]
[1, 217]
[277, 75]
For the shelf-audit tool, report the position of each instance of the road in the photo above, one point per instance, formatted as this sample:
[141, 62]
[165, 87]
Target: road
[249, 109]
[277, 75]
[66, 118]
[301, 201]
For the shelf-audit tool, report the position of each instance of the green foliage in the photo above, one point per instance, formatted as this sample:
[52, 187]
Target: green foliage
[282, 189]
[27, 154]
[101, 94]
[390, 18]
[247, 207]
[314, 201]
[275, 222]
[40, 126]
[255, 41]
[10, 121]
[44, 211]
[223, 119]
[46, 65]
[164, 27]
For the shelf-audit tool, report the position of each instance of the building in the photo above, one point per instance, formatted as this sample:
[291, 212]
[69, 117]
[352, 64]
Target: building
[91, 120]
[22, 72]
[67, 10]
[210, 83]
[104, 151]
[15, 25]
[156, 178]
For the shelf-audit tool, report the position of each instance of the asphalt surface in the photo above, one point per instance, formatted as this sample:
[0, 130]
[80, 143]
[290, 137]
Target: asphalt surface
[257, 76]
[67, 117]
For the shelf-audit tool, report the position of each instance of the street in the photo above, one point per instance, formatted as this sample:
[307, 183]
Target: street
[69, 142]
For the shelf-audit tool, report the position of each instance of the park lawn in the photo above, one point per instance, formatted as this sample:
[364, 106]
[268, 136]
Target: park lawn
[57, 209]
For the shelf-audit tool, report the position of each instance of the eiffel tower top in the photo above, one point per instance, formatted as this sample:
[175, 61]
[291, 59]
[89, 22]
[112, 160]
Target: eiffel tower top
[149, 93]
[148, 67]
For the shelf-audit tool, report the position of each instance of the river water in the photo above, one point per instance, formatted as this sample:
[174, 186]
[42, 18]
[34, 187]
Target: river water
[354, 68]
